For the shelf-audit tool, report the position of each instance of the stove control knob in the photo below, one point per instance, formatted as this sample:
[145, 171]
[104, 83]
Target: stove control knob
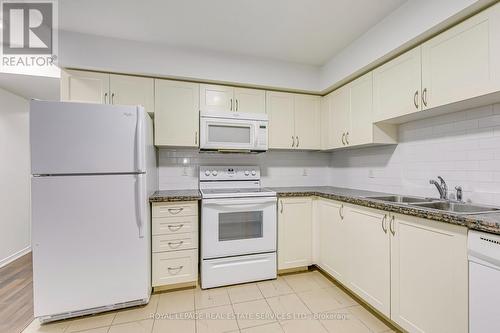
[247, 172]
[254, 172]
[207, 172]
[214, 173]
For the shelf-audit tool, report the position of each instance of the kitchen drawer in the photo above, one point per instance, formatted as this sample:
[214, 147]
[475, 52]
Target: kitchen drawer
[174, 225]
[175, 209]
[175, 267]
[175, 242]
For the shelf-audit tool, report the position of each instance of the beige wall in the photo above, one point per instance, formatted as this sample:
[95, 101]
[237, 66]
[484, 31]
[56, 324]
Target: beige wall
[15, 238]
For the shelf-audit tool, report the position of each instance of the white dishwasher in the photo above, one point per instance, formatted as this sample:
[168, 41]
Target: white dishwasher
[484, 282]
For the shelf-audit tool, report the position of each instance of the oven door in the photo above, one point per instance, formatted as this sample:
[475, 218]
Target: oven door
[238, 226]
[227, 134]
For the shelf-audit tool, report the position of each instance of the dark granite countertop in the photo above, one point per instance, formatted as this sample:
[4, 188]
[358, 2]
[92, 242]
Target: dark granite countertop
[175, 195]
[482, 222]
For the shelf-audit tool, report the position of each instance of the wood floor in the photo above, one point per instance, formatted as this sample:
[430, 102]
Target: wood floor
[16, 295]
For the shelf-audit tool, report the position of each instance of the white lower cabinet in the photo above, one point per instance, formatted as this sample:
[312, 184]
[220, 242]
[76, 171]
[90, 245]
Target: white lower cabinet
[412, 270]
[369, 256]
[333, 245]
[174, 243]
[294, 232]
[429, 275]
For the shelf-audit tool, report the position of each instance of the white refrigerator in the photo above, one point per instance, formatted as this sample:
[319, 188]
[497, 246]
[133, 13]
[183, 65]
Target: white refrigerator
[93, 168]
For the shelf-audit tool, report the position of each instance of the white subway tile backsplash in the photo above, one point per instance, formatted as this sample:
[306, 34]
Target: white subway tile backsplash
[463, 147]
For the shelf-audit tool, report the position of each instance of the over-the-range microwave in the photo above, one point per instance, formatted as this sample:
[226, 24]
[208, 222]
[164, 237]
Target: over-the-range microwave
[233, 132]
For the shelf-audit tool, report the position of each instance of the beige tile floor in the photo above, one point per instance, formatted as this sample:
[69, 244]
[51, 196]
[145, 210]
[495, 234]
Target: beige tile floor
[303, 302]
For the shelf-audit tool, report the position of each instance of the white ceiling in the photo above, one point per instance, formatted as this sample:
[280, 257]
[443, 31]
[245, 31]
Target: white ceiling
[302, 31]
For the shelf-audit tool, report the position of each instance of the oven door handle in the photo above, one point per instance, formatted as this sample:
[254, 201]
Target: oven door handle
[237, 202]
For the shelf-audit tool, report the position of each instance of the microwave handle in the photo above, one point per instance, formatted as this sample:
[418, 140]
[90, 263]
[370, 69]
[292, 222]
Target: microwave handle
[233, 202]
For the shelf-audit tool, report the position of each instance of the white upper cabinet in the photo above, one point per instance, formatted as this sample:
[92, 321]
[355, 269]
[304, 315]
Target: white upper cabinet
[307, 122]
[104, 88]
[177, 113]
[281, 120]
[397, 86]
[132, 90]
[215, 98]
[249, 100]
[464, 61]
[361, 111]
[294, 121]
[83, 86]
[340, 117]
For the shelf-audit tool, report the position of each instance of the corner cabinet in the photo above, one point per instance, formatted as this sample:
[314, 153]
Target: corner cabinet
[177, 113]
[217, 98]
[350, 117]
[429, 275]
[294, 232]
[294, 121]
[104, 88]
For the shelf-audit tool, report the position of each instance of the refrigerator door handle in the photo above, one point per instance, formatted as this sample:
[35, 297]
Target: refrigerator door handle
[141, 209]
[139, 135]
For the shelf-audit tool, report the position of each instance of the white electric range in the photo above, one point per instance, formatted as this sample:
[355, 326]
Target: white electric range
[238, 226]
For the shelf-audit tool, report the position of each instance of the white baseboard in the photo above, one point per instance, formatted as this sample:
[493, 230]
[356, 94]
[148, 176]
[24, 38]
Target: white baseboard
[11, 258]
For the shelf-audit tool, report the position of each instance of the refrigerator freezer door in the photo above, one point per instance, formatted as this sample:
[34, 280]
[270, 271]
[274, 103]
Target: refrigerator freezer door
[87, 246]
[83, 138]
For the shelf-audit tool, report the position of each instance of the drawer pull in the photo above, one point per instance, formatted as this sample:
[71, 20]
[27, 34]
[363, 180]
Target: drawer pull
[176, 269]
[175, 211]
[175, 227]
[175, 245]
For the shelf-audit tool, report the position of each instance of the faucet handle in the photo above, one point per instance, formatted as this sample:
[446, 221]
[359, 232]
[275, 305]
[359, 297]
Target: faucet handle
[459, 192]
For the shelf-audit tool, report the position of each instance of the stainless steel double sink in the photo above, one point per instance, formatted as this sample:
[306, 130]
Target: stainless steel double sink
[460, 208]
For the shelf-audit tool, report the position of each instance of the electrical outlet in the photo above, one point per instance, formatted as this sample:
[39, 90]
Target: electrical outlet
[371, 174]
[304, 172]
[185, 171]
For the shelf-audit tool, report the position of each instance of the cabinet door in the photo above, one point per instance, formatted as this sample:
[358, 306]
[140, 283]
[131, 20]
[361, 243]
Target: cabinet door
[215, 98]
[307, 122]
[82, 86]
[334, 246]
[397, 86]
[281, 120]
[339, 104]
[132, 90]
[326, 133]
[176, 113]
[361, 115]
[249, 100]
[369, 256]
[429, 282]
[464, 61]
[294, 232]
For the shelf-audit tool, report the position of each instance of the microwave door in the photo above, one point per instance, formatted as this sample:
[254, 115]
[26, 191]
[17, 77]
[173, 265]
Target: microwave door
[224, 134]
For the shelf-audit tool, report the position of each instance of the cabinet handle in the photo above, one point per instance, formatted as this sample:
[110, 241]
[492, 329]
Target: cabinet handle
[384, 227]
[415, 99]
[175, 227]
[347, 138]
[341, 212]
[236, 104]
[281, 210]
[231, 109]
[178, 269]
[293, 141]
[105, 98]
[178, 244]
[343, 139]
[424, 96]
[391, 226]
[113, 98]
[196, 137]
[175, 211]
[297, 141]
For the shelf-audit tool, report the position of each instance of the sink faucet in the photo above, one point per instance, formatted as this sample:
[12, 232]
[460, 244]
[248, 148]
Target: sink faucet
[441, 187]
